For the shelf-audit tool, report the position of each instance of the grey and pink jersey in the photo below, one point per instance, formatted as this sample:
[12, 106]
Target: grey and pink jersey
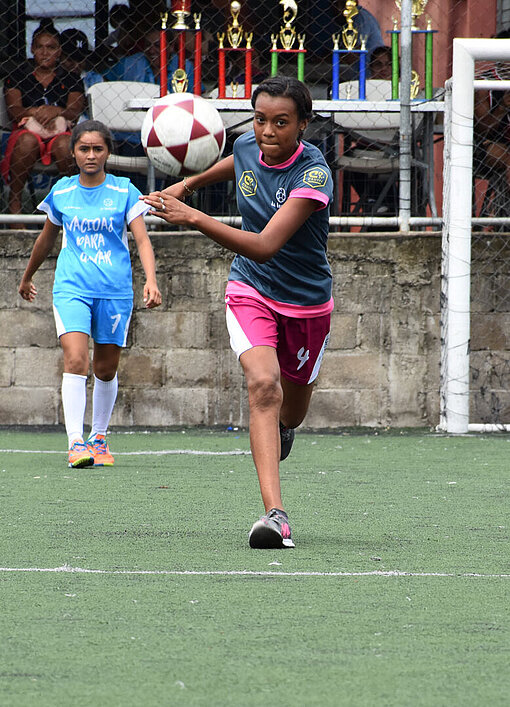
[299, 274]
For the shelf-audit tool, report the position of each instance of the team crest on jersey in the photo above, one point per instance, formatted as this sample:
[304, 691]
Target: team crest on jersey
[315, 177]
[248, 183]
[281, 195]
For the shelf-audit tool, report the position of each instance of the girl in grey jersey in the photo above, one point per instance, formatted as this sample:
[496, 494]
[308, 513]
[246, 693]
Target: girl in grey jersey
[278, 296]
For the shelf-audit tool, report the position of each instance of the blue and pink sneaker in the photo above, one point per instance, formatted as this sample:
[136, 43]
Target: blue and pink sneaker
[271, 531]
[80, 455]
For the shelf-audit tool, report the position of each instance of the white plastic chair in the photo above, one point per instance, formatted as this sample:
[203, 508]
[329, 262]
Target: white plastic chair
[235, 122]
[374, 137]
[108, 104]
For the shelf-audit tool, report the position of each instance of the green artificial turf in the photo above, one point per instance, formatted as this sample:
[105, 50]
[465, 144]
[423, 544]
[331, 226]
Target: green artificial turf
[180, 611]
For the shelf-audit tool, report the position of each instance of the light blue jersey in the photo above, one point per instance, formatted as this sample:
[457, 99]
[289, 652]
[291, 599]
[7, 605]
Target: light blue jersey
[94, 260]
[299, 274]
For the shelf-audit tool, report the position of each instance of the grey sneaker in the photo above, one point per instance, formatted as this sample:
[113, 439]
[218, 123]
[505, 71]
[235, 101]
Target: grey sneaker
[271, 531]
[286, 441]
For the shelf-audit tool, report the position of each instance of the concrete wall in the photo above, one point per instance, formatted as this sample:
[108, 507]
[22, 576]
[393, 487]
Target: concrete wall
[381, 368]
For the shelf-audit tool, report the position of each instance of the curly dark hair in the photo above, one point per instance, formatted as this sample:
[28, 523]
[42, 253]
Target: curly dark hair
[289, 87]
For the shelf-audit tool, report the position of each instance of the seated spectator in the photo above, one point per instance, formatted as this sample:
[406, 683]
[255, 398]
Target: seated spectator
[43, 101]
[145, 67]
[380, 64]
[118, 14]
[123, 41]
[75, 57]
[491, 154]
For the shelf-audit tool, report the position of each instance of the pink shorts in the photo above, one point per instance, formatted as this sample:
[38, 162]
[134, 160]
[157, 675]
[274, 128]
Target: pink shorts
[299, 342]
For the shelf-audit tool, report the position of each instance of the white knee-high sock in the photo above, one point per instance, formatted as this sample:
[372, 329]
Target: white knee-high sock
[103, 401]
[74, 401]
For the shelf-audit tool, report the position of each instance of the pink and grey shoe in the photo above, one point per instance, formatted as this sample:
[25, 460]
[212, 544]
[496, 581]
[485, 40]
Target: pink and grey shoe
[272, 531]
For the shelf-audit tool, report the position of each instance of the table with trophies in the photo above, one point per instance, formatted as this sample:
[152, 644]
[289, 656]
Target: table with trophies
[233, 101]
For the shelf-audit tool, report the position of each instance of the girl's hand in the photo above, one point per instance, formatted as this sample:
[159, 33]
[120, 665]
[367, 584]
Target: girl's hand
[46, 114]
[27, 290]
[151, 295]
[176, 190]
[168, 208]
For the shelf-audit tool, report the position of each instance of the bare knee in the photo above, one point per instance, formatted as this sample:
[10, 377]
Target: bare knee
[24, 155]
[292, 415]
[296, 400]
[104, 370]
[76, 362]
[26, 143]
[106, 361]
[61, 153]
[265, 393]
[293, 419]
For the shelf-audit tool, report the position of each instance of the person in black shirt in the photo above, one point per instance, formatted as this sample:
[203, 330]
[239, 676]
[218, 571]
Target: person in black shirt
[43, 102]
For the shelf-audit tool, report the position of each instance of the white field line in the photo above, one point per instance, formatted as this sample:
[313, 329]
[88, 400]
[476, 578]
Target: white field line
[250, 573]
[149, 452]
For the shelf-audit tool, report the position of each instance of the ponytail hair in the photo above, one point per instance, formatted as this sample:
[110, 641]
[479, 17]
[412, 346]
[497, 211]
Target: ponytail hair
[46, 26]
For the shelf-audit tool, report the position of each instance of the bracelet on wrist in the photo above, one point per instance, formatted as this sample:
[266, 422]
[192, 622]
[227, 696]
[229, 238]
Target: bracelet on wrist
[188, 191]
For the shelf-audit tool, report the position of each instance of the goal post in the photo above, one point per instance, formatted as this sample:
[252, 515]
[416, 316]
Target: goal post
[457, 225]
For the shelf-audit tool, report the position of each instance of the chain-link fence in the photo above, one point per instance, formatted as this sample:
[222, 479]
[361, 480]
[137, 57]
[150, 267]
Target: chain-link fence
[490, 294]
[104, 40]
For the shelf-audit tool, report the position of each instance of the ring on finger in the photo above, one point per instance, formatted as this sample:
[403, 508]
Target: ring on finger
[162, 204]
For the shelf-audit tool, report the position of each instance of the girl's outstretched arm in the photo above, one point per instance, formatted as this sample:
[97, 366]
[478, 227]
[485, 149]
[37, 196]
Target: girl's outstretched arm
[256, 246]
[222, 171]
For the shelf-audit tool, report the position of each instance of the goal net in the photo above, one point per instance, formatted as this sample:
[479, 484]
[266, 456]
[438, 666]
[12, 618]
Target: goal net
[475, 296]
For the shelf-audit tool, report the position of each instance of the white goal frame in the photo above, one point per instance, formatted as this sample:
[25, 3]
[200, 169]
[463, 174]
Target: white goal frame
[457, 224]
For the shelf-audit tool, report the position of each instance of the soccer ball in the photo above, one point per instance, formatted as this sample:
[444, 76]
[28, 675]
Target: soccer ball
[183, 134]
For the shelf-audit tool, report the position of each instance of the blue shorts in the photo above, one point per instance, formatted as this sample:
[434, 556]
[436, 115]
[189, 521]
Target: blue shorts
[106, 320]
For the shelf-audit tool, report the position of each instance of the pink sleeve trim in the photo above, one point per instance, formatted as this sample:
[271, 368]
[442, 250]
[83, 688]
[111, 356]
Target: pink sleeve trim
[307, 193]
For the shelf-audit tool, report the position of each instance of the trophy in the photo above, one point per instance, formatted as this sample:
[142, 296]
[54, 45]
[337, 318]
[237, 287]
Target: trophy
[235, 35]
[287, 36]
[179, 81]
[349, 33]
[163, 61]
[350, 38]
[235, 30]
[288, 32]
[181, 9]
[418, 8]
[415, 84]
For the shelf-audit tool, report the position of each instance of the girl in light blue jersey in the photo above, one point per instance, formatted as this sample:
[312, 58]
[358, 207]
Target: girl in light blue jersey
[93, 289]
[279, 291]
